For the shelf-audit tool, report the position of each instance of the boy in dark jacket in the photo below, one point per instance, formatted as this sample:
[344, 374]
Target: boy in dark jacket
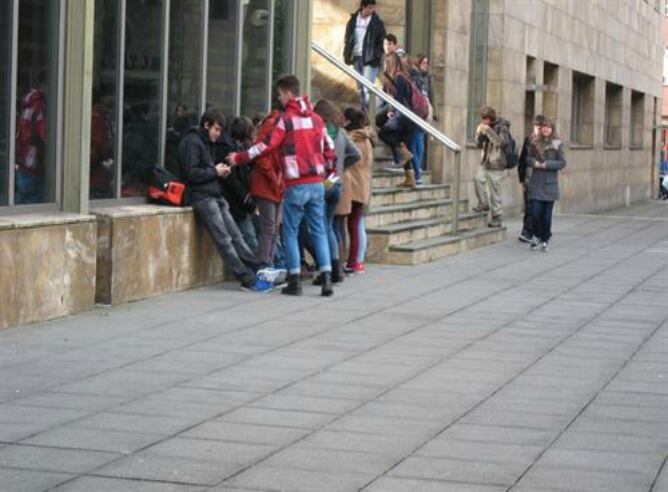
[363, 44]
[307, 155]
[202, 176]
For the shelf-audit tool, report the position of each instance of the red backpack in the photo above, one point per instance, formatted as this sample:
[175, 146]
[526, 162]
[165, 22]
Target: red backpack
[419, 102]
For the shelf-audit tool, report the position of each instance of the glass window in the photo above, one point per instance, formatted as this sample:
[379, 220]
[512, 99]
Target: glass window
[283, 38]
[5, 47]
[477, 64]
[185, 74]
[637, 119]
[37, 99]
[256, 71]
[613, 115]
[141, 94]
[582, 109]
[103, 155]
[221, 63]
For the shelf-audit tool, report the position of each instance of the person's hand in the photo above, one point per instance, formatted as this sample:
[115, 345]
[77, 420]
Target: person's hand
[229, 160]
[223, 170]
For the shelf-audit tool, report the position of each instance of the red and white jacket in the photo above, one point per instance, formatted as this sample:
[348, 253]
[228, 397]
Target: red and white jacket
[31, 133]
[307, 152]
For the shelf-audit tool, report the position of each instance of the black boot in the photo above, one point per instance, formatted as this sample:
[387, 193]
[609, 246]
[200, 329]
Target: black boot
[337, 273]
[294, 287]
[327, 289]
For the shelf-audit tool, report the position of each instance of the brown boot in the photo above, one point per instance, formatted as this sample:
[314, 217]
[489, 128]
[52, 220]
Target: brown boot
[409, 182]
[405, 155]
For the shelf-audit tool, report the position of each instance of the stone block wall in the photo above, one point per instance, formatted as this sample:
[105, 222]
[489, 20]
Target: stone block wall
[146, 250]
[47, 267]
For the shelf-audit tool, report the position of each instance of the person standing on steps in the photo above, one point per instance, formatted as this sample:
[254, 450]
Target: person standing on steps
[492, 135]
[363, 45]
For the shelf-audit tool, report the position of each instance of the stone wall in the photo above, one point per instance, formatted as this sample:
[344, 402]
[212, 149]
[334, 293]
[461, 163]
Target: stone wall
[47, 267]
[147, 250]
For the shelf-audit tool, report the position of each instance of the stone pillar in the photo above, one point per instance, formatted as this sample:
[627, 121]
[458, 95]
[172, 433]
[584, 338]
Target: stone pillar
[78, 83]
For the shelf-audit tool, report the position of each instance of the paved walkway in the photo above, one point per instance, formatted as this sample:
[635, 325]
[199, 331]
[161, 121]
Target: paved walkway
[496, 370]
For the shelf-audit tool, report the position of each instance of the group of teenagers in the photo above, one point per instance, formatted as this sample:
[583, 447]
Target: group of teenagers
[299, 181]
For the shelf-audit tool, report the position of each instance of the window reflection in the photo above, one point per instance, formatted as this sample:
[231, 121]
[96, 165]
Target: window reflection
[37, 95]
[103, 111]
[255, 58]
[185, 58]
[5, 40]
[221, 66]
[141, 100]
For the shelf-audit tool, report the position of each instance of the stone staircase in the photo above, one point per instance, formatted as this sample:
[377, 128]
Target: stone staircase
[408, 227]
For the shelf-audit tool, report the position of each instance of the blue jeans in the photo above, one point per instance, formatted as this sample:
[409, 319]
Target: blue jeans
[305, 201]
[368, 72]
[331, 201]
[416, 147]
[29, 188]
[541, 212]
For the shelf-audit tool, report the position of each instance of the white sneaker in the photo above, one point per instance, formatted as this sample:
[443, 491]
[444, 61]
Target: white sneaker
[533, 246]
[275, 276]
[544, 247]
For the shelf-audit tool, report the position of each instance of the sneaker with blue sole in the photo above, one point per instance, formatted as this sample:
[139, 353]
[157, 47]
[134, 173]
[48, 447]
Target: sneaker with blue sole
[275, 276]
[259, 286]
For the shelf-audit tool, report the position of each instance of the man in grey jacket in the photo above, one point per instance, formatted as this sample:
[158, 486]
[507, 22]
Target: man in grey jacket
[492, 135]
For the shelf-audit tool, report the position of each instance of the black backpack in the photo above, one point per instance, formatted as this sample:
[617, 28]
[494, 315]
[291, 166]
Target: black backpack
[510, 149]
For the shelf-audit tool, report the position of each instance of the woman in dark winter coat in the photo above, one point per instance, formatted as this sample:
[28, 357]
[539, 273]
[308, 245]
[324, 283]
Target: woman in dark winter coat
[546, 158]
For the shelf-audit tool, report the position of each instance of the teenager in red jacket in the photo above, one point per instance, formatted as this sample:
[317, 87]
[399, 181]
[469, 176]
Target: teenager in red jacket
[307, 155]
[266, 186]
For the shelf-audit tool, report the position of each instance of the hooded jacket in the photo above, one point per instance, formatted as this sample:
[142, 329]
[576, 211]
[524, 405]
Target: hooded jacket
[236, 186]
[198, 170]
[492, 141]
[361, 172]
[372, 50]
[266, 179]
[544, 183]
[307, 152]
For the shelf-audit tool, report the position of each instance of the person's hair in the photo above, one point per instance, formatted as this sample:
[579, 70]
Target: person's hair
[391, 38]
[329, 112]
[357, 118]
[211, 116]
[539, 120]
[488, 112]
[365, 3]
[289, 83]
[419, 59]
[241, 129]
[258, 118]
[393, 65]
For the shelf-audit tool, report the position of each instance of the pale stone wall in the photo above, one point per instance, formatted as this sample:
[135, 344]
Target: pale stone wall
[47, 267]
[329, 27]
[618, 41]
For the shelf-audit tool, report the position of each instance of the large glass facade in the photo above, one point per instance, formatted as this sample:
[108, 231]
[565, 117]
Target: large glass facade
[256, 63]
[37, 102]
[283, 38]
[185, 74]
[103, 155]
[222, 69]
[5, 84]
[141, 94]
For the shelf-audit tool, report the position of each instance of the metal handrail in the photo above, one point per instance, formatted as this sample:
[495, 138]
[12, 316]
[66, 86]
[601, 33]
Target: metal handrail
[426, 127]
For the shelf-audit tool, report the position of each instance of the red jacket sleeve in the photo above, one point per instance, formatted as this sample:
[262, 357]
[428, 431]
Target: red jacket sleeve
[272, 142]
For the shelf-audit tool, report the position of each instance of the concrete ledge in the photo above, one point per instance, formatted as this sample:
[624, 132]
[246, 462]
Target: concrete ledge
[47, 266]
[148, 250]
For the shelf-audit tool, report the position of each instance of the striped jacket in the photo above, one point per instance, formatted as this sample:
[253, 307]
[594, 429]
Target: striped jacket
[307, 152]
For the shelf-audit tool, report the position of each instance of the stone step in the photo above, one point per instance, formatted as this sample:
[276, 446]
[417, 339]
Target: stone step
[395, 196]
[391, 214]
[431, 249]
[387, 179]
[379, 239]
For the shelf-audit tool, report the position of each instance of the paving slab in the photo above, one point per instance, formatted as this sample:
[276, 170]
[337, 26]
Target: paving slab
[499, 369]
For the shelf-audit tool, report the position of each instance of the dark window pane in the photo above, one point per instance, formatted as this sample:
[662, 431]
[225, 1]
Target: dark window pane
[141, 99]
[103, 156]
[221, 63]
[185, 74]
[282, 38]
[37, 97]
[5, 45]
[255, 58]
